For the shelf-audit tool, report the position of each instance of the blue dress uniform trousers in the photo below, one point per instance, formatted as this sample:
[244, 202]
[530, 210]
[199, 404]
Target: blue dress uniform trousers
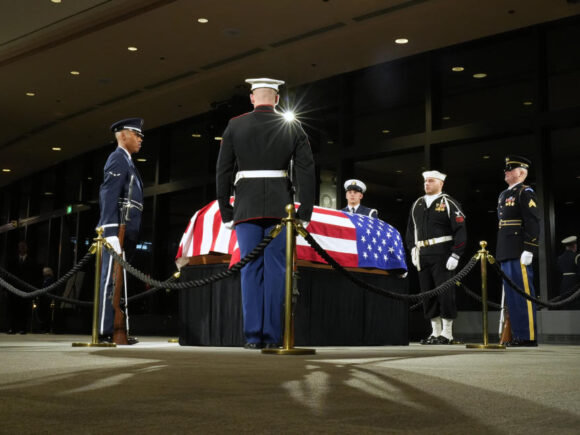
[522, 312]
[263, 282]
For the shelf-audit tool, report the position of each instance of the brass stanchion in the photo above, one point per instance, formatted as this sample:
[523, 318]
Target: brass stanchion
[483, 257]
[97, 250]
[288, 348]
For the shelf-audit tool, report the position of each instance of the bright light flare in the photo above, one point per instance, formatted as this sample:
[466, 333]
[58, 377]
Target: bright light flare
[289, 116]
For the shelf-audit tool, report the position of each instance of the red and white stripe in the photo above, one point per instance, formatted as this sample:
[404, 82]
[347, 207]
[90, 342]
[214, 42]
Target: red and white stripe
[332, 229]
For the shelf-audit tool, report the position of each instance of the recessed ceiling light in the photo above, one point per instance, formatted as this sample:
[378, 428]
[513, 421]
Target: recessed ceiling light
[479, 75]
[55, 1]
[446, 118]
[141, 160]
[569, 202]
[218, 138]
[399, 199]
[486, 157]
[89, 178]
[132, 48]
[196, 135]
[56, 148]
[48, 193]
[202, 20]
[457, 69]
[385, 131]
[30, 94]
[330, 142]
[399, 171]
[74, 73]
[6, 170]
[477, 190]
[527, 103]
[401, 41]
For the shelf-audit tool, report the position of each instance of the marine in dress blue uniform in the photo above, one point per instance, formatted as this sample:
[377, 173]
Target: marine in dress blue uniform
[354, 194]
[254, 159]
[436, 236]
[120, 176]
[517, 243]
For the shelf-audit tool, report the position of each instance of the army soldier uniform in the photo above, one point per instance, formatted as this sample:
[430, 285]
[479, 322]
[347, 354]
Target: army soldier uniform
[517, 243]
[569, 265]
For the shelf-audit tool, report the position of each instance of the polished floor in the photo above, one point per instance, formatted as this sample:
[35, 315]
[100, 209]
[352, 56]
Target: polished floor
[48, 386]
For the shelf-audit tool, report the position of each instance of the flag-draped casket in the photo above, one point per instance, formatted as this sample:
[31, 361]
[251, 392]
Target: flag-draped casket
[353, 240]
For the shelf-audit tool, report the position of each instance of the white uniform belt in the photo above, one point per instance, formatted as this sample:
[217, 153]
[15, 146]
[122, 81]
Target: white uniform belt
[569, 273]
[434, 241]
[267, 173]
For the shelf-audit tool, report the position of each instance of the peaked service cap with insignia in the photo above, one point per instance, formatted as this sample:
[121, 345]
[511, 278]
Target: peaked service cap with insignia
[512, 162]
[265, 83]
[569, 240]
[357, 185]
[134, 124]
[434, 174]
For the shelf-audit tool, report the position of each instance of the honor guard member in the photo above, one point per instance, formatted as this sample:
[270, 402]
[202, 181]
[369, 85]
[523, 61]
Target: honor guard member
[517, 243]
[436, 236]
[121, 201]
[569, 265]
[354, 194]
[260, 146]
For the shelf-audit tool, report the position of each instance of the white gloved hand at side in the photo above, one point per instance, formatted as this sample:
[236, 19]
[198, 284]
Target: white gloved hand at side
[114, 242]
[526, 258]
[451, 263]
[230, 225]
[414, 257]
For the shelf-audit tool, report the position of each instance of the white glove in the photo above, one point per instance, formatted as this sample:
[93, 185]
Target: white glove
[304, 223]
[451, 263]
[229, 225]
[114, 242]
[414, 257]
[404, 275]
[526, 258]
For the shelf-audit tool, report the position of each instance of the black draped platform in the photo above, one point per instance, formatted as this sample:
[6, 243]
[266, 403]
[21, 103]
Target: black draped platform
[331, 311]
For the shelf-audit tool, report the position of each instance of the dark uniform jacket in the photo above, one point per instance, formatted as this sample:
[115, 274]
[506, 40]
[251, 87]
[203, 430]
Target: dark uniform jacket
[519, 222]
[364, 211]
[114, 192]
[263, 140]
[569, 268]
[443, 218]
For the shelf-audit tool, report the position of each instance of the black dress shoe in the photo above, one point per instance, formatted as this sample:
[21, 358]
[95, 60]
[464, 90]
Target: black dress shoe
[443, 340]
[253, 346]
[105, 339]
[516, 342]
[132, 340]
[271, 346]
[11, 332]
[429, 340]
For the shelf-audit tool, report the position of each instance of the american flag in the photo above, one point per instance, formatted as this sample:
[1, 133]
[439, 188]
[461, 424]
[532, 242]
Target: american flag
[353, 240]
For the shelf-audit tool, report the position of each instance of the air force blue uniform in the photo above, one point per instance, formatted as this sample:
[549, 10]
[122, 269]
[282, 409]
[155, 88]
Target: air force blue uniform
[120, 176]
[262, 140]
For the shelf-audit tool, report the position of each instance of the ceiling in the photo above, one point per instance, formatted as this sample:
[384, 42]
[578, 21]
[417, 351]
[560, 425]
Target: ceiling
[182, 66]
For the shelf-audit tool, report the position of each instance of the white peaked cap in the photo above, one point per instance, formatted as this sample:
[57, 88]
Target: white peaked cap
[265, 83]
[355, 185]
[434, 174]
[571, 239]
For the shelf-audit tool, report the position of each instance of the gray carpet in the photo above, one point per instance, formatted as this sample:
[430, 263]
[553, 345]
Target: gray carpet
[47, 386]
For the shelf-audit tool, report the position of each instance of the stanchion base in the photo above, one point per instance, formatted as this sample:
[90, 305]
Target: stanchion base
[290, 351]
[485, 346]
[94, 345]
[173, 340]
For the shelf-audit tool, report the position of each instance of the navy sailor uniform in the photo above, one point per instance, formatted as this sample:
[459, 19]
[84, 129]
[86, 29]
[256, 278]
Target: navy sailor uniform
[361, 209]
[440, 232]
